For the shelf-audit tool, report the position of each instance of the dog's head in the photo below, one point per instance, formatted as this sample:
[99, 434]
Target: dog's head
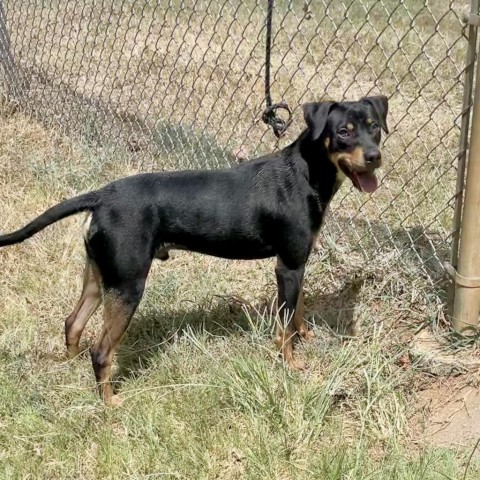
[350, 134]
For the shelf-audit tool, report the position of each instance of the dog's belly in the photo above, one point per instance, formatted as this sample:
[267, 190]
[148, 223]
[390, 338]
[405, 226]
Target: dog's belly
[230, 250]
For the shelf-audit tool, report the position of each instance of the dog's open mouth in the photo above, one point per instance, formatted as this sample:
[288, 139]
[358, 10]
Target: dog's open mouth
[365, 181]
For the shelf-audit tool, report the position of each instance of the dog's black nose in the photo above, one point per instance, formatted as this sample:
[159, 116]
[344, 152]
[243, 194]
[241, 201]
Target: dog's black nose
[372, 156]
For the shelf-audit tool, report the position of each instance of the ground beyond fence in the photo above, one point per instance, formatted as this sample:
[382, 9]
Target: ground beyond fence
[180, 85]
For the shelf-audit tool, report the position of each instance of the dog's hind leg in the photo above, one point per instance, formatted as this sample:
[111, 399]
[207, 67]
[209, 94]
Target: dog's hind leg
[117, 316]
[85, 308]
[121, 299]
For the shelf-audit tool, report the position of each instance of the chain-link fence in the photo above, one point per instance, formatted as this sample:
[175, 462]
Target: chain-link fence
[179, 84]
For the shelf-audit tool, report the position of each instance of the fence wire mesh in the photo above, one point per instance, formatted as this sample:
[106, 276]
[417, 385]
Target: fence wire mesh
[177, 84]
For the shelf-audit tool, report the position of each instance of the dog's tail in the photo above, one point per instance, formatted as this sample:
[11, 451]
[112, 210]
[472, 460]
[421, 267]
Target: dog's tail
[87, 201]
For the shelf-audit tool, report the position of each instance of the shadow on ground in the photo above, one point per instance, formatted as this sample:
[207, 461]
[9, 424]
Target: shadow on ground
[152, 142]
[153, 330]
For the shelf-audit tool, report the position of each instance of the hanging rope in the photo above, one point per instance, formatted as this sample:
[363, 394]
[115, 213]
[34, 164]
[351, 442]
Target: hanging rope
[270, 116]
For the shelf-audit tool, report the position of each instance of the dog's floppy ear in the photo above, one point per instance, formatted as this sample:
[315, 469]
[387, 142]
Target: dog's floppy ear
[316, 115]
[380, 106]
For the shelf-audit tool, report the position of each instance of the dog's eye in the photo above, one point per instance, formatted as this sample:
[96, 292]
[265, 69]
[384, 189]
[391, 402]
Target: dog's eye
[343, 133]
[374, 127]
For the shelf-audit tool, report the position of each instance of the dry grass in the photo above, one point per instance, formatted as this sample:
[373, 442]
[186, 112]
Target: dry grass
[205, 397]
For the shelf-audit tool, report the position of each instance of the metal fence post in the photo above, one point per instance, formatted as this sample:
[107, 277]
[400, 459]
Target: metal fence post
[466, 306]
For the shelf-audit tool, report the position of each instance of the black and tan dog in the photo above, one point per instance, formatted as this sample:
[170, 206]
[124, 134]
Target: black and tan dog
[270, 206]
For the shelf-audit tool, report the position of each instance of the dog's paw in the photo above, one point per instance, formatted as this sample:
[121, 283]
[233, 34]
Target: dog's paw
[297, 365]
[72, 352]
[114, 401]
[308, 335]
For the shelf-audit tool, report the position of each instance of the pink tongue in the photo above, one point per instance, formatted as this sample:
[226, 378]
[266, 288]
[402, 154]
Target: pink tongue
[367, 181]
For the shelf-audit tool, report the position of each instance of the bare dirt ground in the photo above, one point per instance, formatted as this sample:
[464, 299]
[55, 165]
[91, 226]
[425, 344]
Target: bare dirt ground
[448, 413]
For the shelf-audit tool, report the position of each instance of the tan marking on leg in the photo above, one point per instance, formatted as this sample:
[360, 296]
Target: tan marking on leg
[86, 225]
[85, 308]
[284, 343]
[284, 337]
[285, 328]
[116, 319]
[298, 319]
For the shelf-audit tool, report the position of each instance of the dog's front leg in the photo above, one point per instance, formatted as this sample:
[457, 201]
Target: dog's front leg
[289, 282]
[298, 320]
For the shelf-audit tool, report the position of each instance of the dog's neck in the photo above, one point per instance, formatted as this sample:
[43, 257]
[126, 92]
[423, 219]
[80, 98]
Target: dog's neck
[322, 174]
